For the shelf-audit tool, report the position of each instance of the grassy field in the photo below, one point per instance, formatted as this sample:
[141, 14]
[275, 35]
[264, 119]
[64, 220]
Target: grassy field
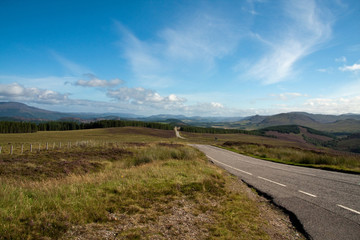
[282, 151]
[340, 161]
[125, 183]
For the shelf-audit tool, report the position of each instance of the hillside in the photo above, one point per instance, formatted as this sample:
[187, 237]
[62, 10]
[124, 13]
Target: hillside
[341, 124]
[10, 111]
[22, 111]
[346, 123]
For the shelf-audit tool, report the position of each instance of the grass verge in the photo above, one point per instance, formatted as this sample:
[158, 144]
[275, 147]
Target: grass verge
[341, 162]
[144, 191]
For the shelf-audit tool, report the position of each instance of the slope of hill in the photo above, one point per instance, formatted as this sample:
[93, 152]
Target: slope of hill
[22, 111]
[10, 111]
[346, 123]
[287, 119]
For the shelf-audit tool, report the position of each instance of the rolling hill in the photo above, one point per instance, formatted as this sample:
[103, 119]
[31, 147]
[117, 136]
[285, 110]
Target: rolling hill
[20, 111]
[346, 123]
[340, 124]
[14, 111]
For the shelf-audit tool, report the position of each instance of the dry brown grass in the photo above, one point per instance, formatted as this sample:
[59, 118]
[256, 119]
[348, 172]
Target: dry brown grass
[142, 191]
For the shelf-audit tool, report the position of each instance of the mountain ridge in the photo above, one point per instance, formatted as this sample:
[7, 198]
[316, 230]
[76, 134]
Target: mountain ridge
[346, 123]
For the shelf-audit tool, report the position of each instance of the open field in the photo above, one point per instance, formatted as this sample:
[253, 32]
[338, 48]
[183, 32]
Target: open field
[132, 184]
[289, 149]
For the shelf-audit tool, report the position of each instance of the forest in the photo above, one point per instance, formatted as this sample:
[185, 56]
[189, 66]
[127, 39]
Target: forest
[28, 127]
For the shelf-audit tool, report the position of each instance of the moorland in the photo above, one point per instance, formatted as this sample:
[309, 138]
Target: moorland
[126, 183]
[130, 179]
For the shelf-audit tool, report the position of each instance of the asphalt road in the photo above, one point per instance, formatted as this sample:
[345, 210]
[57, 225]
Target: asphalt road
[326, 203]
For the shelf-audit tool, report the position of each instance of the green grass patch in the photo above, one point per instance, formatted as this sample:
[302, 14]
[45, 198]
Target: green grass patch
[135, 191]
[343, 162]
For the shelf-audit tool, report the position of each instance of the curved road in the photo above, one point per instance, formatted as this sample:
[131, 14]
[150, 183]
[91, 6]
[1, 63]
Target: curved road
[326, 203]
[177, 133]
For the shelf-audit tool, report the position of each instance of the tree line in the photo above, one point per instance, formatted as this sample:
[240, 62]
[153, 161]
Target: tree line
[213, 130]
[28, 127]
[17, 127]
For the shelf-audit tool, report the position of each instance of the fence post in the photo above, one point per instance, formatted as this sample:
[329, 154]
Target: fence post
[30, 147]
[60, 145]
[39, 147]
[0, 149]
[11, 150]
[47, 146]
[22, 148]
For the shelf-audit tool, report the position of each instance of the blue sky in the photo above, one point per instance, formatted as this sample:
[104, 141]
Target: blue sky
[207, 58]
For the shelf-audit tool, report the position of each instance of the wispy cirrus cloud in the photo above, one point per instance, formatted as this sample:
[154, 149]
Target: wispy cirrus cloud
[195, 43]
[93, 81]
[308, 26]
[69, 65]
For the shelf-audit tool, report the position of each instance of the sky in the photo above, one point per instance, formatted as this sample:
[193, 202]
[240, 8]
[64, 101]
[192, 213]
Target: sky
[195, 58]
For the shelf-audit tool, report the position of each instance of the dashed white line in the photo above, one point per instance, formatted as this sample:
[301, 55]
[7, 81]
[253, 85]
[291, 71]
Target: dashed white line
[280, 184]
[229, 166]
[352, 210]
[309, 194]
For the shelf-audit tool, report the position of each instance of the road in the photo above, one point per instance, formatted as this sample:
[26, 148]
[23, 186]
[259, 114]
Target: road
[177, 133]
[326, 203]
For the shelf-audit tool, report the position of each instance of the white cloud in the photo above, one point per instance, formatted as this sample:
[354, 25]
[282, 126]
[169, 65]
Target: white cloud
[325, 70]
[17, 92]
[288, 95]
[143, 96]
[217, 105]
[341, 59]
[304, 31]
[339, 105]
[96, 82]
[352, 68]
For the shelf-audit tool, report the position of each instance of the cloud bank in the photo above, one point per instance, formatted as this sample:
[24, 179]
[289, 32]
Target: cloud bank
[17, 92]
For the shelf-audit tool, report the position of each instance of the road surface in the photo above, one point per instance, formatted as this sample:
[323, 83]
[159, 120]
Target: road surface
[326, 203]
[177, 133]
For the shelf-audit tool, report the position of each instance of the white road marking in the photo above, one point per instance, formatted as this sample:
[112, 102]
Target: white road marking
[309, 194]
[229, 166]
[352, 210]
[280, 184]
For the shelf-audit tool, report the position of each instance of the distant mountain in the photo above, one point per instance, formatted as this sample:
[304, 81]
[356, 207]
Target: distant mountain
[190, 120]
[345, 123]
[287, 119]
[255, 119]
[349, 123]
[162, 117]
[22, 112]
